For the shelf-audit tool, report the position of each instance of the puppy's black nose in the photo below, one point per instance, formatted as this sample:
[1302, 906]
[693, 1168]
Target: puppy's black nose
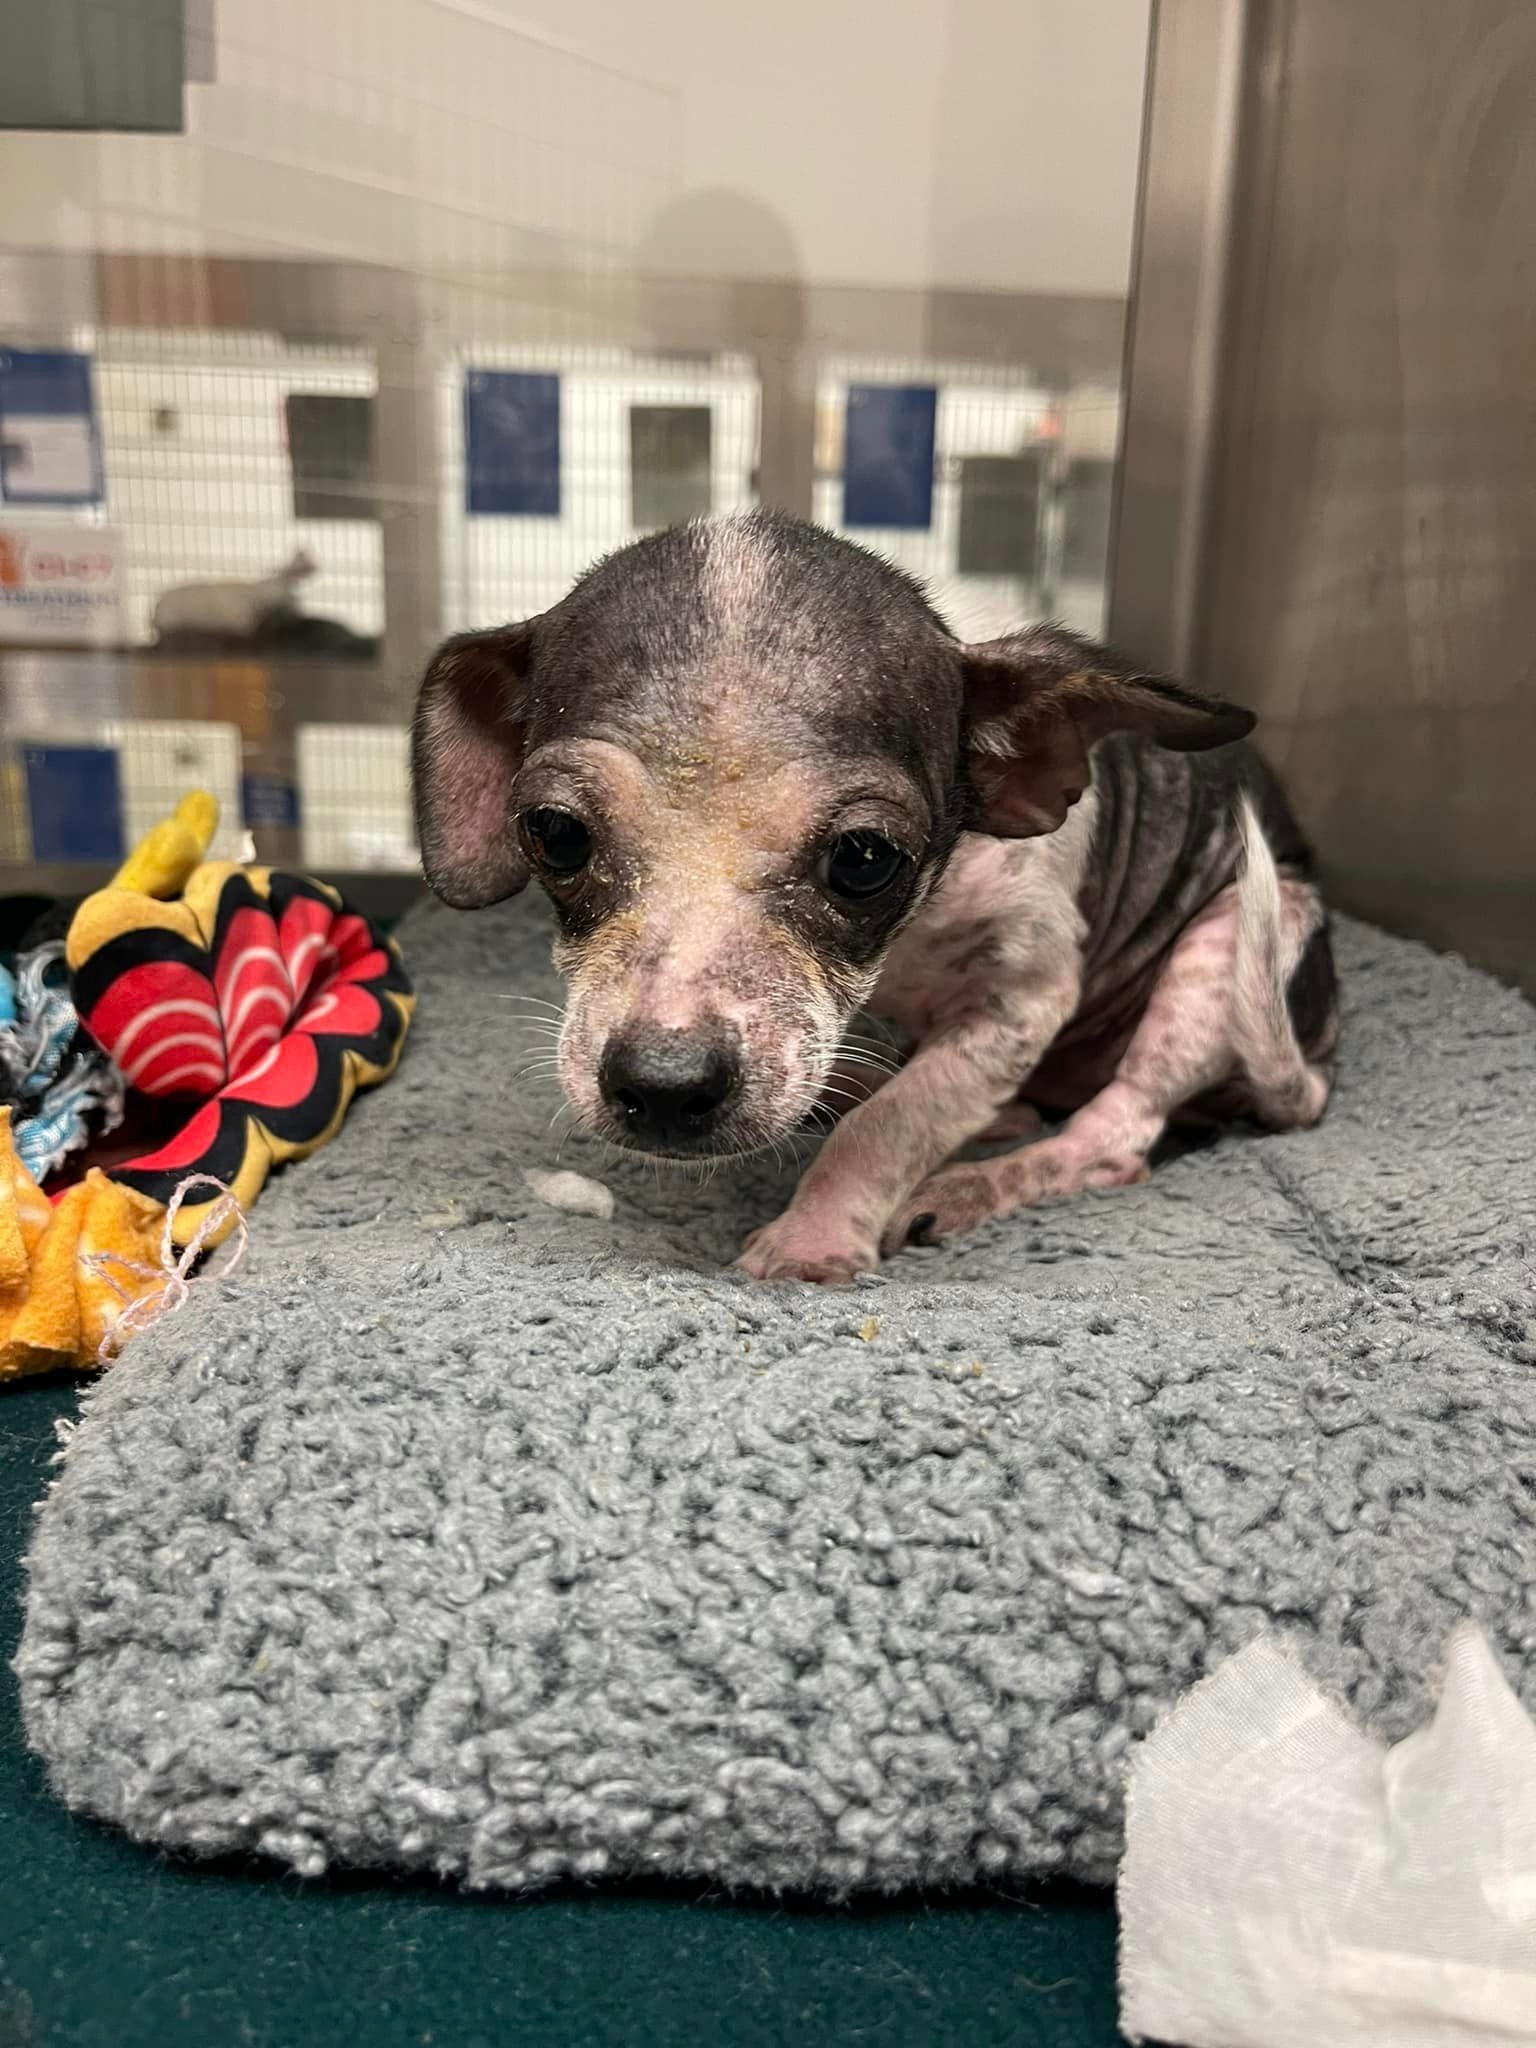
[666, 1088]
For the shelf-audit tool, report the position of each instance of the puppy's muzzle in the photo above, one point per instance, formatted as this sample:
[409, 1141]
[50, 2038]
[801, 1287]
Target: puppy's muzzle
[669, 1091]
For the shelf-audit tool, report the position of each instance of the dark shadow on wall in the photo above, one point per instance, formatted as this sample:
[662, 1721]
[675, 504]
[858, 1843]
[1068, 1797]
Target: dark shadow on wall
[725, 246]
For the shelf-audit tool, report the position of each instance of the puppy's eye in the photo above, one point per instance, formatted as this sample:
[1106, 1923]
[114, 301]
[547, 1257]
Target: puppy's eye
[860, 865]
[560, 844]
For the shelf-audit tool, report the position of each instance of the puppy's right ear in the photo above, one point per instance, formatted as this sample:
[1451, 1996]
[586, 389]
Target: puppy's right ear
[466, 749]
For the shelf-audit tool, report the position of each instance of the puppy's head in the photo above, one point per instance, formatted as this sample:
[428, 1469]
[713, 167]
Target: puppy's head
[737, 756]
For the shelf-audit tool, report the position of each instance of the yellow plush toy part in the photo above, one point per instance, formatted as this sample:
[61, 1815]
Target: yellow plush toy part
[68, 1270]
[162, 862]
[141, 895]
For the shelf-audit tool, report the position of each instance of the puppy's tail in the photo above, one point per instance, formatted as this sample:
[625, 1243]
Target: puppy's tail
[1288, 1091]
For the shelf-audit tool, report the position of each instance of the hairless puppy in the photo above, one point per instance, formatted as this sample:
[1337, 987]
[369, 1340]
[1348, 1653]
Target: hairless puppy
[766, 790]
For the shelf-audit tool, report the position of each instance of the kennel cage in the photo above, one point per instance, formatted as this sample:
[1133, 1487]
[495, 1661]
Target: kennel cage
[448, 481]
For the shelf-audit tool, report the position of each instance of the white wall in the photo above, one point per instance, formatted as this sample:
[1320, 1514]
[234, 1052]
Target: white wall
[962, 143]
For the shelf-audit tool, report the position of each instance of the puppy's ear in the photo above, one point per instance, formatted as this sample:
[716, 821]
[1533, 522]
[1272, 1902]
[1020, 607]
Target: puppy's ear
[466, 749]
[1038, 700]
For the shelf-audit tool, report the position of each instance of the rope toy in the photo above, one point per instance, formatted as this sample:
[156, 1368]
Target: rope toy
[58, 1083]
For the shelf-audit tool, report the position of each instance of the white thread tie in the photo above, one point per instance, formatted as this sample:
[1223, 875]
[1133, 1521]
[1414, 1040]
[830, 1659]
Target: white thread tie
[174, 1270]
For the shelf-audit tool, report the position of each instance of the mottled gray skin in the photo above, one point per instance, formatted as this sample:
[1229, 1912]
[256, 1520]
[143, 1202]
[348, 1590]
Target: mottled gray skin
[1165, 844]
[714, 710]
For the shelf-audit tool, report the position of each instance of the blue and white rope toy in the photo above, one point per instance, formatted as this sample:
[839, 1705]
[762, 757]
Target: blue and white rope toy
[58, 1082]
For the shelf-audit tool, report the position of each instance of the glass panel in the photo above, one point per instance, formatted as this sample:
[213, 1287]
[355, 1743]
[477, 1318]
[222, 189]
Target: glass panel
[432, 302]
[501, 566]
[1009, 488]
[330, 450]
[355, 794]
[1000, 516]
[669, 464]
[202, 482]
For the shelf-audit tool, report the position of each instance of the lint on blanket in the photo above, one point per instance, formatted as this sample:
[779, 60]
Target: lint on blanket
[256, 998]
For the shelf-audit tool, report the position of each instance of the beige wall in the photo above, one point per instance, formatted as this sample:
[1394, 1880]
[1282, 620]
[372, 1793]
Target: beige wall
[912, 143]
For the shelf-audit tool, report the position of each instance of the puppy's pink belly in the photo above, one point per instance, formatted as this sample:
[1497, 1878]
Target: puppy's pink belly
[1084, 1056]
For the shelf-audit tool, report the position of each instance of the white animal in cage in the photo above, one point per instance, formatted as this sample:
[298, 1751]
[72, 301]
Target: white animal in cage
[233, 606]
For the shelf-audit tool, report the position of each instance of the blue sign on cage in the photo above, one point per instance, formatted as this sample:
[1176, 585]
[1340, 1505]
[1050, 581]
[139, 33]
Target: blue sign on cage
[512, 443]
[888, 455]
[269, 801]
[50, 444]
[75, 800]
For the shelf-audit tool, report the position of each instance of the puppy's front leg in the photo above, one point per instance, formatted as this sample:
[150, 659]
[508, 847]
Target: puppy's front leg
[950, 1090]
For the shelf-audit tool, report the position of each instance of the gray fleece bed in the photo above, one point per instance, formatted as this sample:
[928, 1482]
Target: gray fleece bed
[457, 1533]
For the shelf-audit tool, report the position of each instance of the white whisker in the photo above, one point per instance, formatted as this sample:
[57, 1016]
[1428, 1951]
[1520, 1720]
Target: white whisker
[849, 1095]
[851, 1057]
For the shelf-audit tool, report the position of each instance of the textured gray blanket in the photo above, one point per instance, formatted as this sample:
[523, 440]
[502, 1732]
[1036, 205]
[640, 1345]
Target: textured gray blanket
[455, 1532]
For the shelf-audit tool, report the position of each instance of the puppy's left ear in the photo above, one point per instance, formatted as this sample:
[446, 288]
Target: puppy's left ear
[1036, 701]
[466, 750]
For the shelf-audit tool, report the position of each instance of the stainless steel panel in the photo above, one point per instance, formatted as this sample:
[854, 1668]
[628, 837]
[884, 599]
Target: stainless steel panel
[1368, 581]
[1189, 158]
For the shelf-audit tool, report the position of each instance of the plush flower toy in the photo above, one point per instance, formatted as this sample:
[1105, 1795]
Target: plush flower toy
[257, 999]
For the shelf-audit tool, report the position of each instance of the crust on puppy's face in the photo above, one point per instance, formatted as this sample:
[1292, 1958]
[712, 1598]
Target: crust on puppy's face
[704, 908]
[715, 706]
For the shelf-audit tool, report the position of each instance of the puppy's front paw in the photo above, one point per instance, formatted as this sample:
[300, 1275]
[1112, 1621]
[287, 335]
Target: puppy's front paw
[791, 1249]
[953, 1200]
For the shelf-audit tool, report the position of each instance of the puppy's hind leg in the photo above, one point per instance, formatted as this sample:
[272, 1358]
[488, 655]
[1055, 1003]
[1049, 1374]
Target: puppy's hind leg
[1181, 1047]
[1218, 1018]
